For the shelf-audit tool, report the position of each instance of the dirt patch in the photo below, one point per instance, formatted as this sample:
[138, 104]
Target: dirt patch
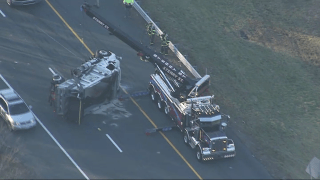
[306, 47]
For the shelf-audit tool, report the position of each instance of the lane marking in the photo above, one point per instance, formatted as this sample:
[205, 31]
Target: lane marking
[62, 149]
[2, 13]
[52, 137]
[164, 136]
[145, 114]
[115, 144]
[69, 27]
[52, 71]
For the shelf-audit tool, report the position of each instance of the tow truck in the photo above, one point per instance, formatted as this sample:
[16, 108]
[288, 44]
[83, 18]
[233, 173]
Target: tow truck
[185, 100]
[96, 79]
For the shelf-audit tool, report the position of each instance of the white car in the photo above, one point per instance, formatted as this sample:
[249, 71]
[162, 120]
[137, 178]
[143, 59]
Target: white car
[14, 111]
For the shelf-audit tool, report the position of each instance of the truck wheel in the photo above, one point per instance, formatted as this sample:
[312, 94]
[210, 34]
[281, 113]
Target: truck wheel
[199, 155]
[185, 138]
[153, 95]
[159, 103]
[101, 53]
[166, 110]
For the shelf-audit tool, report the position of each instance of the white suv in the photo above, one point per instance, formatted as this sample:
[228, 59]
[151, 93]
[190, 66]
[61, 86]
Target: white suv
[15, 111]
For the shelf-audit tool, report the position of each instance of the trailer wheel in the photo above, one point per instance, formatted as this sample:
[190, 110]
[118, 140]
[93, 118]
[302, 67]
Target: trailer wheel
[166, 109]
[185, 138]
[199, 155]
[153, 95]
[101, 53]
[159, 103]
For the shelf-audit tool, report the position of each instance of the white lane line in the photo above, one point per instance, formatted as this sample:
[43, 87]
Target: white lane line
[114, 143]
[54, 139]
[2, 13]
[62, 149]
[52, 71]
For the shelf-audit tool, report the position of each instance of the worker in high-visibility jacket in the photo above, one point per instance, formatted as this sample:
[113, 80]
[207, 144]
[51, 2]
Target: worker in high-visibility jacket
[165, 46]
[128, 4]
[163, 36]
[151, 32]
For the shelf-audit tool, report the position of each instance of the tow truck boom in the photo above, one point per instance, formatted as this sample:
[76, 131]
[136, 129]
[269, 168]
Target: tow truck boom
[181, 98]
[143, 51]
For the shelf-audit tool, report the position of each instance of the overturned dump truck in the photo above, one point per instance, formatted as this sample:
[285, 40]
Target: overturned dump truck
[95, 81]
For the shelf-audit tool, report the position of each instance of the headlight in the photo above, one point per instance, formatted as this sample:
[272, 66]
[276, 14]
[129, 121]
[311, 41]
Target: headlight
[230, 145]
[205, 149]
[32, 120]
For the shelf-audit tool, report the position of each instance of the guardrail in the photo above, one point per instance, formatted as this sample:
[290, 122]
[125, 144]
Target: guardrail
[171, 46]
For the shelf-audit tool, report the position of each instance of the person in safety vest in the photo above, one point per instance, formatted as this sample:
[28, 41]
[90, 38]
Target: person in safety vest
[163, 36]
[128, 4]
[151, 32]
[165, 46]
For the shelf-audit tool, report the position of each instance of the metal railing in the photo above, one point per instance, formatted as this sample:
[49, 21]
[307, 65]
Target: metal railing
[171, 46]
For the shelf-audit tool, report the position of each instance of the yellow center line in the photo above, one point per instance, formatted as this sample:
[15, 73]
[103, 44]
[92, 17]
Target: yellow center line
[69, 27]
[142, 111]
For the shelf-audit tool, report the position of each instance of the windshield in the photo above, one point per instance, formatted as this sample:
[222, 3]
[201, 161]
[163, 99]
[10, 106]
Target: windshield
[20, 108]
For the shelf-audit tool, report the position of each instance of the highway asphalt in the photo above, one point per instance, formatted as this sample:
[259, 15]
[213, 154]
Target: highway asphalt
[34, 38]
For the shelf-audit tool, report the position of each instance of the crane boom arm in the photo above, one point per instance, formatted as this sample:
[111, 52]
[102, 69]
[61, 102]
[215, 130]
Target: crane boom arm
[148, 54]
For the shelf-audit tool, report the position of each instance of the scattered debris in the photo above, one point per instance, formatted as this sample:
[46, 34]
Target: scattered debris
[114, 125]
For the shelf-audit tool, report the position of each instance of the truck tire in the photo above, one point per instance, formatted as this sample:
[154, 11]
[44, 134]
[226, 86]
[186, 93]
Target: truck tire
[100, 53]
[159, 103]
[153, 95]
[185, 138]
[198, 154]
[166, 109]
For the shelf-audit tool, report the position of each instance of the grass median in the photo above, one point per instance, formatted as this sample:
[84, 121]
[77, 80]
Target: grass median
[10, 165]
[263, 58]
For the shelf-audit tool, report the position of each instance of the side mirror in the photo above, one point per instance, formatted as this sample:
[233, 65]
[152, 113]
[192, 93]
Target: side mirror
[30, 107]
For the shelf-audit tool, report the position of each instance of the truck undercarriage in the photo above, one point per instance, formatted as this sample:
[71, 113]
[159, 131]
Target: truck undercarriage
[94, 81]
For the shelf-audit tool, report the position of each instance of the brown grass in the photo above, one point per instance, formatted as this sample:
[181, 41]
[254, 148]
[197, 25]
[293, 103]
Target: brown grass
[263, 58]
[10, 166]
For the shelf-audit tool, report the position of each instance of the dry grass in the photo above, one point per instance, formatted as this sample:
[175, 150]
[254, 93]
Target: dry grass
[10, 166]
[263, 57]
